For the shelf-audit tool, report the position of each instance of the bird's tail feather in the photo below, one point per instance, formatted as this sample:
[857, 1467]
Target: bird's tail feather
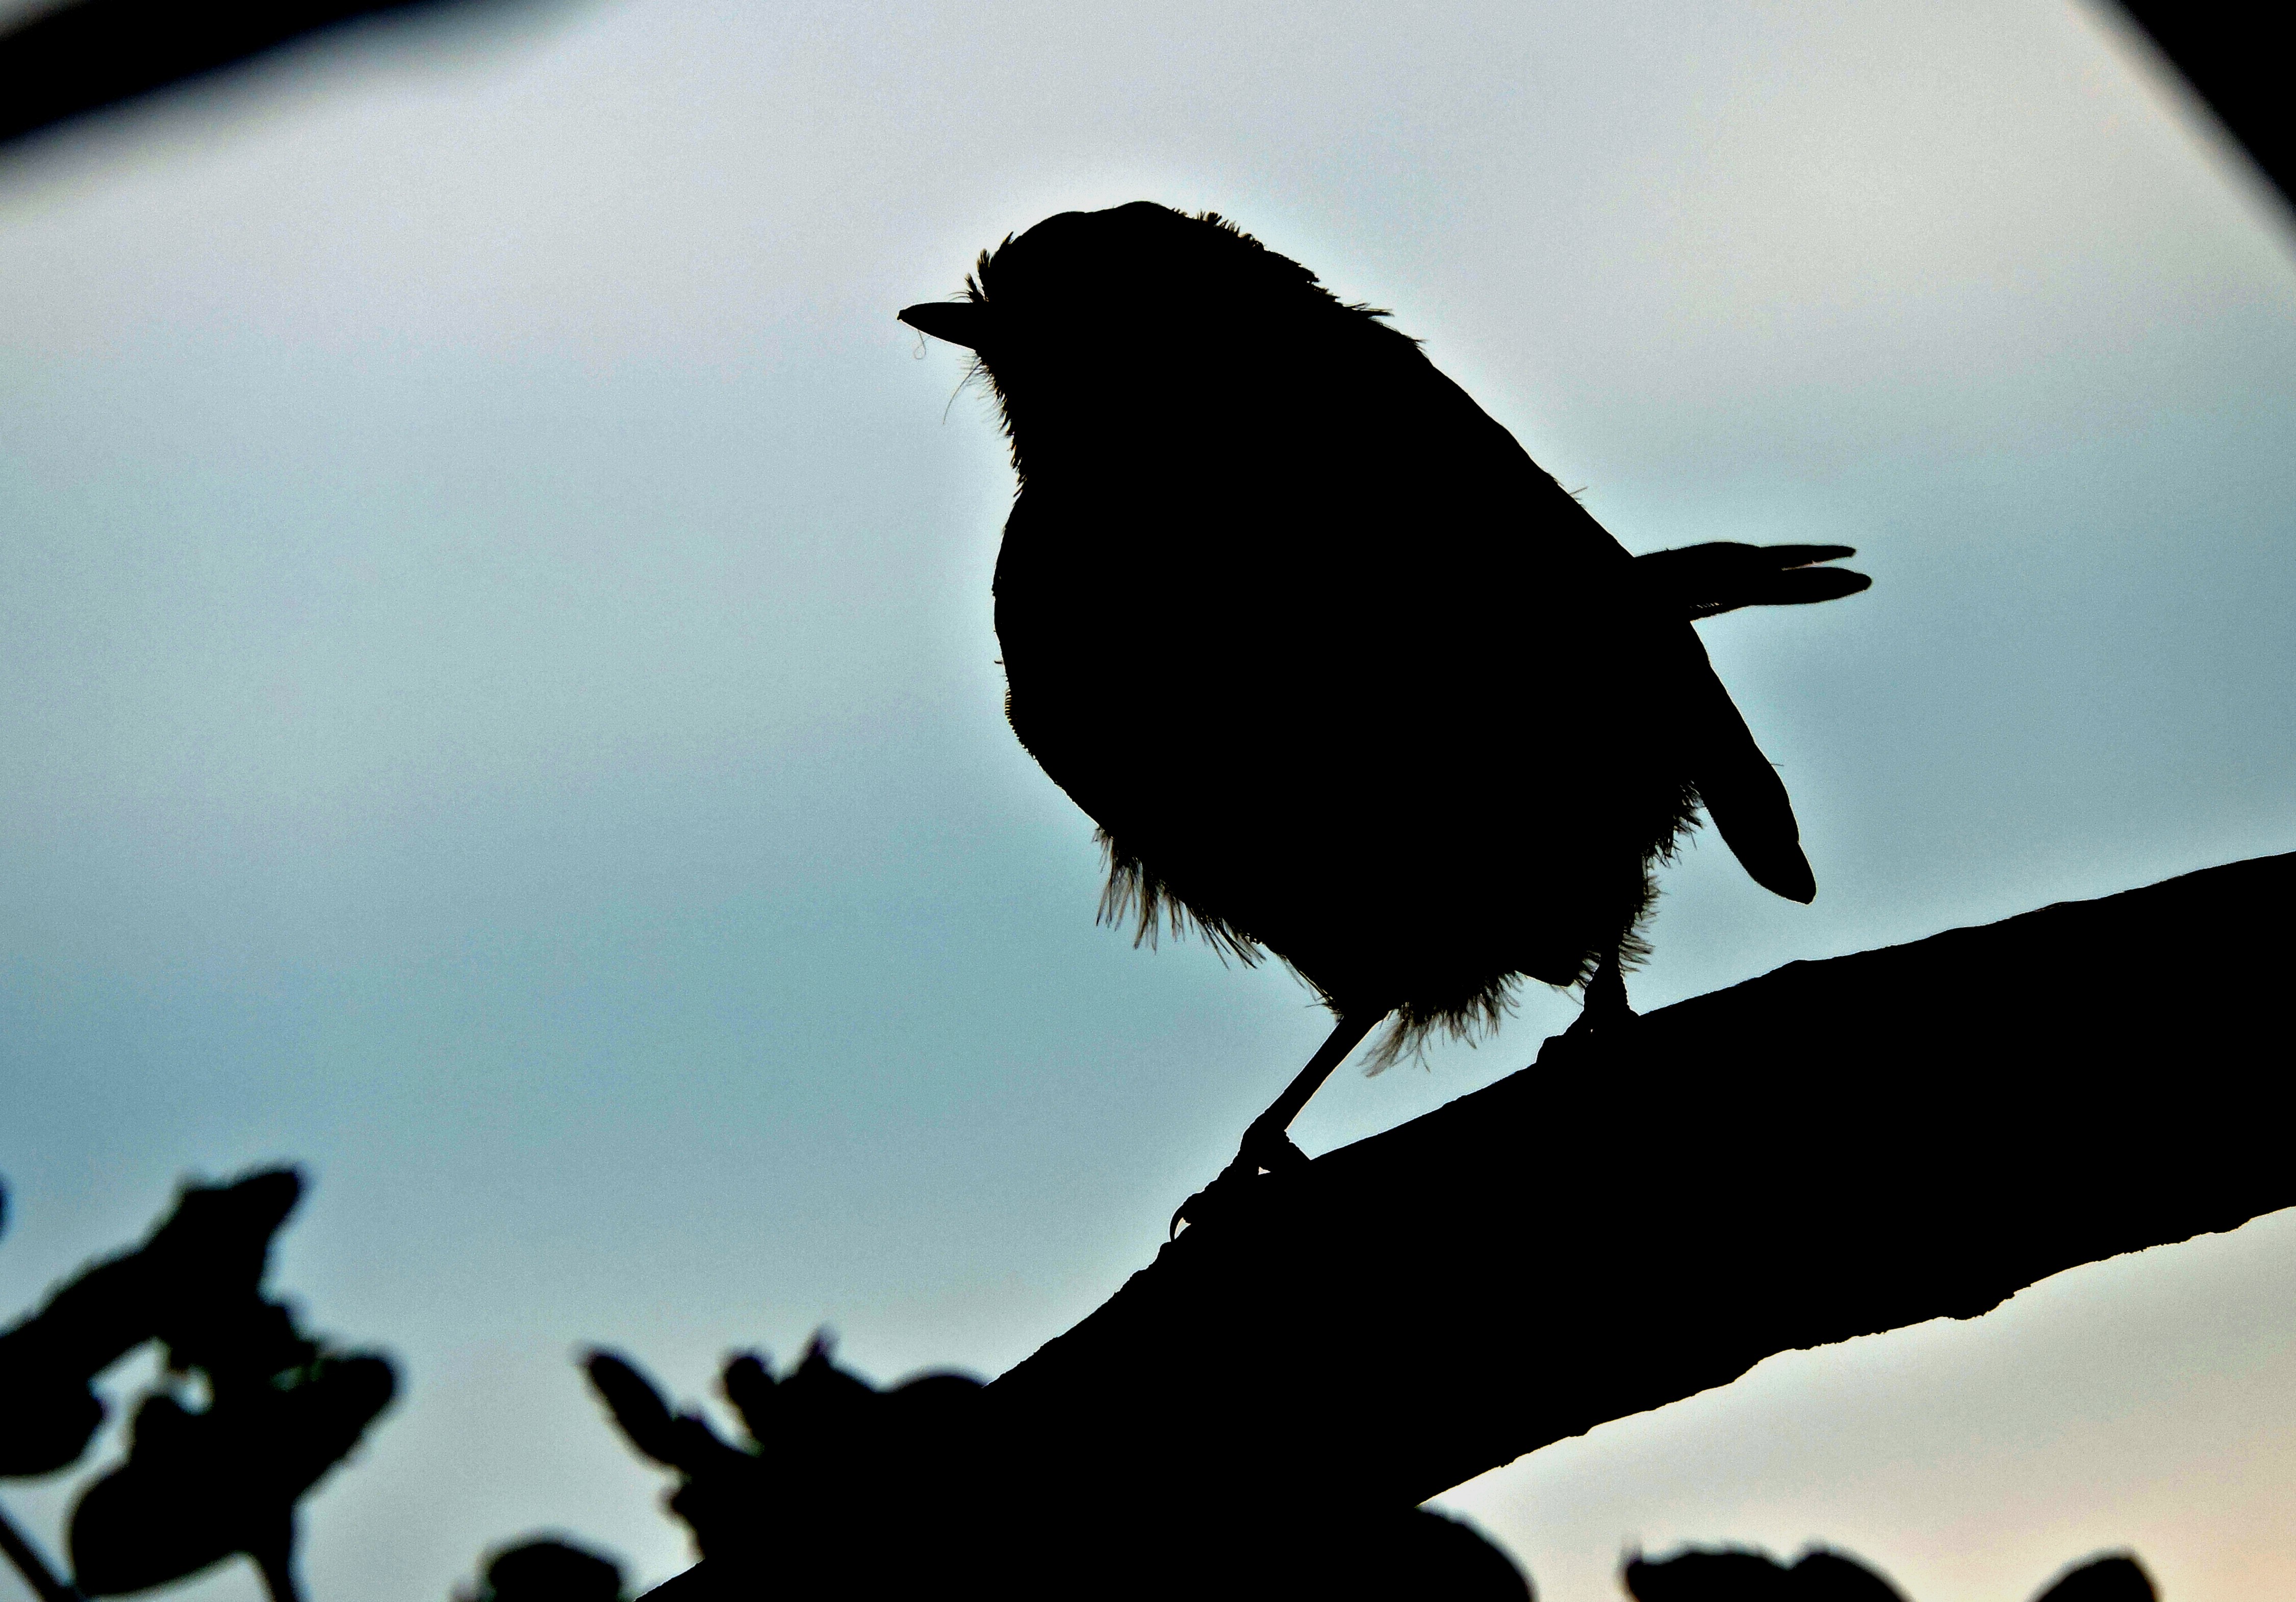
[1705, 581]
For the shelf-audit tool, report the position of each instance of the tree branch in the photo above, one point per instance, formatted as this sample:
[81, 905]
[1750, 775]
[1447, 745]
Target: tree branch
[1834, 1149]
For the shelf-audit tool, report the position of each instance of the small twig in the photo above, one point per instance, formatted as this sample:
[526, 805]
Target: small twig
[34, 1567]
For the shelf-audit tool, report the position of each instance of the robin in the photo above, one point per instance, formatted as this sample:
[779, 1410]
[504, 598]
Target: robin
[1341, 674]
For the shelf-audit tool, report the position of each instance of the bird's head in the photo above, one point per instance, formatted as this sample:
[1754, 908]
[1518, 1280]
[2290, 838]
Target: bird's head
[1088, 325]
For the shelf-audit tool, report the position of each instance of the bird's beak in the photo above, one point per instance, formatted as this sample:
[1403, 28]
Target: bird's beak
[959, 322]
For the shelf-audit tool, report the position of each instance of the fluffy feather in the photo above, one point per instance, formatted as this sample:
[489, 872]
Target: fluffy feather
[1341, 674]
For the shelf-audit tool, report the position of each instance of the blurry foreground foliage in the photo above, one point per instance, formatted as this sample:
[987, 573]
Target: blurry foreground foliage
[251, 1411]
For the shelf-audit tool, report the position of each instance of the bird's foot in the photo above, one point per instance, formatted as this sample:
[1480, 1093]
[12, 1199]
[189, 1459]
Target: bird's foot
[1260, 1159]
[1589, 1028]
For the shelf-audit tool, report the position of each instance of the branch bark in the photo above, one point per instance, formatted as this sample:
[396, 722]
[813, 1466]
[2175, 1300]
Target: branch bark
[1836, 1149]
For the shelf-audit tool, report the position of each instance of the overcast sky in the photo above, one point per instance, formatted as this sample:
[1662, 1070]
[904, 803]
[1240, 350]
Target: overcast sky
[497, 697]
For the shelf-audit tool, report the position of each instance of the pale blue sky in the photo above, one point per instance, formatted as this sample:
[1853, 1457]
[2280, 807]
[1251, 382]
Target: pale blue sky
[498, 701]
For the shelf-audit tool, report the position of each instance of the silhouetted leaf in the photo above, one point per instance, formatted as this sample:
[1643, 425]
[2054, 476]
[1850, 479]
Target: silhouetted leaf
[547, 1569]
[2116, 1578]
[198, 1487]
[1741, 1574]
[747, 1383]
[639, 1410]
[49, 1426]
[195, 1281]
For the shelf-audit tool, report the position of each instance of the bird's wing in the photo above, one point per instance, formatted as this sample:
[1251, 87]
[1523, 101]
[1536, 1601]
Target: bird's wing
[1597, 608]
[1743, 792]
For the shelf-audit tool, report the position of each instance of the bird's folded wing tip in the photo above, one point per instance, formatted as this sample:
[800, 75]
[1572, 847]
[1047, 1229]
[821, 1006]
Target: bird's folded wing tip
[1784, 873]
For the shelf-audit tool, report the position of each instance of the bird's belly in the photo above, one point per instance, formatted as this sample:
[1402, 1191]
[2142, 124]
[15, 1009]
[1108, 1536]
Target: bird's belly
[1385, 771]
[1364, 866]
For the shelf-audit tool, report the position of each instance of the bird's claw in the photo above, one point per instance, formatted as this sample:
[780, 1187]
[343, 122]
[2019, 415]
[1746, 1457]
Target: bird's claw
[1585, 1030]
[1180, 1217]
[1217, 1198]
[1556, 1049]
[1227, 1189]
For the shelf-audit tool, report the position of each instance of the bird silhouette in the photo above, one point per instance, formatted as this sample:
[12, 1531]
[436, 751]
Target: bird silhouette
[1340, 672]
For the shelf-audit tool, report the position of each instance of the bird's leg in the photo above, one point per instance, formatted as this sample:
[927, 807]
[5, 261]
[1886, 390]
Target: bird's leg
[1602, 1008]
[1264, 1137]
[1604, 1001]
[1265, 1144]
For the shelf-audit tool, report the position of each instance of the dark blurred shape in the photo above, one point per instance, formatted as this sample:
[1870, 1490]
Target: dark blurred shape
[846, 1489]
[193, 1282]
[2226, 52]
[198, 1487]
[815, 1437]
[15, 1547]
[2115, 1577]
[1435, 1555]
[51, 1422]
[548, 1569]
[90, 55]
[1742, 1574]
